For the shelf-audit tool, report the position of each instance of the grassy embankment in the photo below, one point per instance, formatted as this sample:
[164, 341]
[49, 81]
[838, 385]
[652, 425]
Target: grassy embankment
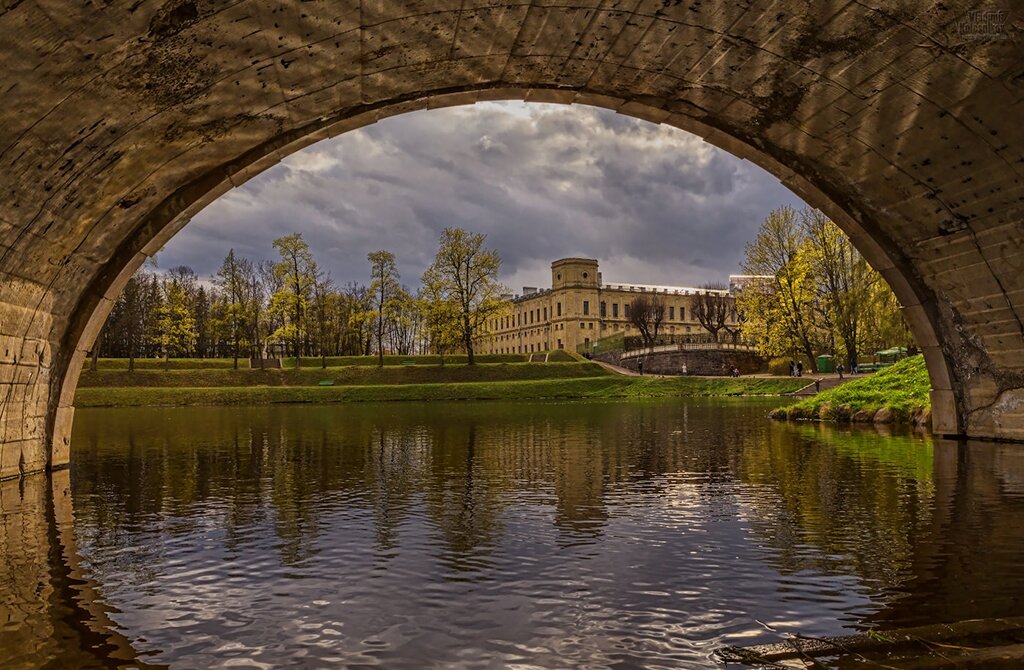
[217, 385]
[898, 394]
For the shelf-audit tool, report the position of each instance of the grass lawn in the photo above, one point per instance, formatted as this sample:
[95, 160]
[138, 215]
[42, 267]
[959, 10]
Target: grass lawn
[900, 390]
[104, 364]
[341, 376]
[605, 386]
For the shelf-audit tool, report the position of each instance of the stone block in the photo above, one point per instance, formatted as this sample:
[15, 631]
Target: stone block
[938, 367]
[945, 418]
[920, 324]
[60, 448]
[74, 371]
[95, 324]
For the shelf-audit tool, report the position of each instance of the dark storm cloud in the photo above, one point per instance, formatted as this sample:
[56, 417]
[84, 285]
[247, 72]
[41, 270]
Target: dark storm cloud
[654, 204]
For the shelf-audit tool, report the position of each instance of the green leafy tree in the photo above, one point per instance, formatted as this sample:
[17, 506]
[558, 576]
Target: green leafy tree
[779, 309]
[467, 274]
[296, 273]
[441, 320]
[843, 278]
[175, 326]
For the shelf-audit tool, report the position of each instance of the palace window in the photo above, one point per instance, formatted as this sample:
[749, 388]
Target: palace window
[582, 325]
[559, 305]
[545, 313]
[682, 313]
[615, 310]
[586, 307]
[625, 310]
[590, 325]
[671, 313]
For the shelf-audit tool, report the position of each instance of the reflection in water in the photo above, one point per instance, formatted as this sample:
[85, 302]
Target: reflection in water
[49, 612]
[485, 534]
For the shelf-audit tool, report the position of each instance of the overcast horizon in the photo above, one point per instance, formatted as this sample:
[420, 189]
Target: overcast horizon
[653, 204]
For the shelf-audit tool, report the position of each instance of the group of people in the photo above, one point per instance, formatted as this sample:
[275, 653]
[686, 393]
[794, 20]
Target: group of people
[796, 369]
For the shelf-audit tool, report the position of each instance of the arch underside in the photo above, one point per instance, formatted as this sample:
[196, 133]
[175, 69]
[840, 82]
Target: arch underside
[123, 120]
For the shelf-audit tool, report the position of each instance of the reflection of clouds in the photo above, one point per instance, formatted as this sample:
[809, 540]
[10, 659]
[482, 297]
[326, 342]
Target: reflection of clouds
[655, 204]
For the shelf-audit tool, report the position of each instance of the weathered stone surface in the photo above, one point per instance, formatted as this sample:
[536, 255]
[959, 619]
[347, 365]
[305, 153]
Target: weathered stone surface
[699, 362]
[123, 119]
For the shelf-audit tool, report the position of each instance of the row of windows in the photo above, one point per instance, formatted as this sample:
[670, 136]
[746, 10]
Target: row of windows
[525, 318]
[540, 314]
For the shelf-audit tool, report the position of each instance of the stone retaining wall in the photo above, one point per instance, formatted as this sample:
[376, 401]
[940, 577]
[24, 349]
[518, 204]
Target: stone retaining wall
[708, 362]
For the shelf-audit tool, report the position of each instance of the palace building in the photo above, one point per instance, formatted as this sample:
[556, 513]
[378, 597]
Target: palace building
[579, 309]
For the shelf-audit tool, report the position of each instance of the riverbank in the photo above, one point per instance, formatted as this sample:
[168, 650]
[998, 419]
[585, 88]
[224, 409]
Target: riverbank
[897, 394]
[598, 386]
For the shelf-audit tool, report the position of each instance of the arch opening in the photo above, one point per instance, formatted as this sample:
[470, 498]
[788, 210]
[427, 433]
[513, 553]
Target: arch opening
[175, 213]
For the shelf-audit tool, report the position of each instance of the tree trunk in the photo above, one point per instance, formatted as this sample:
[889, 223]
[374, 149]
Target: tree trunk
[467, 338]
[809, 352]
[95, 356]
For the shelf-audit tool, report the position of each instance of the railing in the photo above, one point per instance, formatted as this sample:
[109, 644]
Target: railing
[688, 346]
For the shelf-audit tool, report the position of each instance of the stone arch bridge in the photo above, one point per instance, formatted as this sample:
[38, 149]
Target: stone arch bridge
[122, 118]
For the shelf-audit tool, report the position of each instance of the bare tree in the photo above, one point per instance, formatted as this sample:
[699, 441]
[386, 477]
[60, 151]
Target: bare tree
[384, 288]
[646, 314]
[713, 306]
[323, 287]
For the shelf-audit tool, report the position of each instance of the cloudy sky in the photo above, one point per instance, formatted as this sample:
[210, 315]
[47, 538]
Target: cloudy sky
[654, 204]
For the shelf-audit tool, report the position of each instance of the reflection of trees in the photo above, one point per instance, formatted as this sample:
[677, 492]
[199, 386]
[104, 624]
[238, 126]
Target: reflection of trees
[850, 494]
[966, 564]
[279, 465]
[461, 502]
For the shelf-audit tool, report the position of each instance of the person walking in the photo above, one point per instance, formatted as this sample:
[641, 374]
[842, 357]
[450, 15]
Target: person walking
[792, 368]
[839, 369]
[799, 368]
[684, 370]
[640, 367]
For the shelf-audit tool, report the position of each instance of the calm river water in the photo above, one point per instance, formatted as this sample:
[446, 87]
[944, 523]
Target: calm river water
[491, 535]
